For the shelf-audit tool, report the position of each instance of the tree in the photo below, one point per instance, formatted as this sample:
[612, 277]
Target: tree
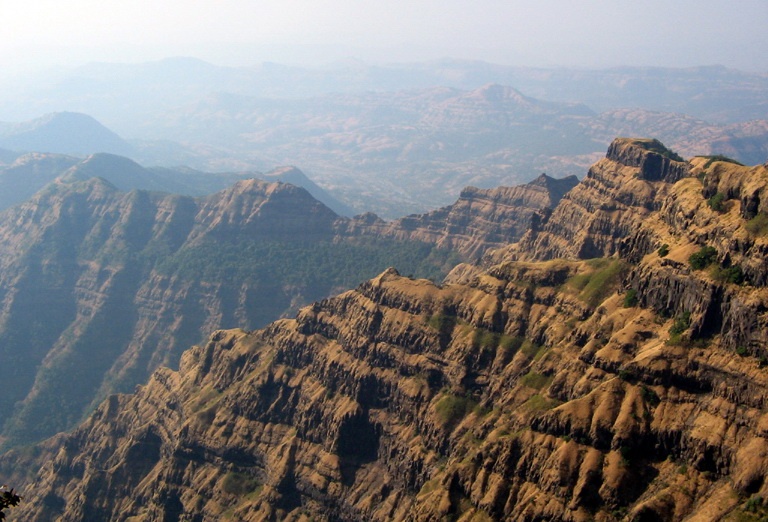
[8, 499]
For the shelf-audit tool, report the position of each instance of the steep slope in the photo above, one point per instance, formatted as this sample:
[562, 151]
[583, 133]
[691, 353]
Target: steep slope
[481, 219]
[630, 386]
[296, 177]
[126, 281]
[63, 133]
[98, 287]
[30, 172]
[618, 192]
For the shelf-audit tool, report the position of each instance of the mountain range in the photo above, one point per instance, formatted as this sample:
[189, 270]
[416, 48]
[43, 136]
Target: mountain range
[608, 365]
[100, 286]
[398, 152]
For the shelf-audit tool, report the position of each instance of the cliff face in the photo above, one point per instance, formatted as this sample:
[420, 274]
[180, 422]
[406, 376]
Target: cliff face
[481, 219]
[630, 385]
[99, 287]
[93, 299]
[617, 194]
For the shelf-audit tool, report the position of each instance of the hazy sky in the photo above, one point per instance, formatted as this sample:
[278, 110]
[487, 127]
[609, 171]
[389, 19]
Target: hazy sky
[590, 33]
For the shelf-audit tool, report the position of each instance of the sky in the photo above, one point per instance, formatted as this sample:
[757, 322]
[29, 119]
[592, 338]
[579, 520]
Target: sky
[547, 33]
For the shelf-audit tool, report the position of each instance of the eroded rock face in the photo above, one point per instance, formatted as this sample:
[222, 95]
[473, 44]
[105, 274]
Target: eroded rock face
[480, 220]
[530, 389]
[598, 216]
[127, 281]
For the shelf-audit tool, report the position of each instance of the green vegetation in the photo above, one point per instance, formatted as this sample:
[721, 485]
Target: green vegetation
[486, 339]
[659, 148]
[719, 157]
[717, 202]
[239, 484]
[663, 250]
[630, 298]
[703, 258]
[649, 396]
[753, 510]
[732, 274]
[538, 403]
[681, 324]
[450, 409]
[442, 322]
[598, 284]
[537, 381]
[482, 338]
[707, 256]
[429, 486]
[531, 349]
[758, 225]
[324, 263]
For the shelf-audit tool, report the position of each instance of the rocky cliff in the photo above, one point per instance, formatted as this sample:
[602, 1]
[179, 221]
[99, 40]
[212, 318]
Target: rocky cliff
[628, 386]
[99, 287]
[481, 219]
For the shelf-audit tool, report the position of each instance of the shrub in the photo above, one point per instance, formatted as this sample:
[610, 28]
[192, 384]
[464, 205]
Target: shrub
[703, 258]
[535, 380]
[630, 298]
[659, 148]
[485, 339]
[238, 483]
[8, 499]
[758, 225]
[530, 349]
[663, 250]
[452, 408]
[681, 324]
[753, 504]
[733, 274]
[720, 157]
[650, 396]
[717, 202]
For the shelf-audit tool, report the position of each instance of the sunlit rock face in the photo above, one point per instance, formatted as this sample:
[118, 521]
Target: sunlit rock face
[556, 383]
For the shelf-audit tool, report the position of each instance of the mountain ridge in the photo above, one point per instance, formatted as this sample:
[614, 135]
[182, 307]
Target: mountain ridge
[627, 386]
[169, 269]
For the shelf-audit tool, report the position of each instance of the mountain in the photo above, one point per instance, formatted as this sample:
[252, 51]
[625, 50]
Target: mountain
[480, 220]
[30, 172]
[406, 138]
[128, 280]
[628, 386]
[123, 95]
[373, 150]
[62, 133]
[296, 177]
[401, 152]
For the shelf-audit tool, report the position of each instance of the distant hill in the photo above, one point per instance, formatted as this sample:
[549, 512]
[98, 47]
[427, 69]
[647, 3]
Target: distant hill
[62, 133]
[124, 95]
[30, 172]
[296, 177]
[408, 151]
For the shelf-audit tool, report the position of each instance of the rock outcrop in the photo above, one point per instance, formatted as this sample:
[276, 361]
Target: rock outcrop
[481, 219]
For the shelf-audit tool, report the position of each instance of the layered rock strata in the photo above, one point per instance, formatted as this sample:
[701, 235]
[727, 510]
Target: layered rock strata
[526, 390]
